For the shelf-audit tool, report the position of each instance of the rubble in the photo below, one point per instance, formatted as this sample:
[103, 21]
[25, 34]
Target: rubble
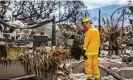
[115, 69]
[121, 65]
[108, 78]
[126, 72]
[115, 63]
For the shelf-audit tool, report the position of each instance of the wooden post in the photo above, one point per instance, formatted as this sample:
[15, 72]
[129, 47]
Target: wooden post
[53, 32]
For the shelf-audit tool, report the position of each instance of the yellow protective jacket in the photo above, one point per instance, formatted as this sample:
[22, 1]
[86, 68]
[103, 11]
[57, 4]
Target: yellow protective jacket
[92, 41]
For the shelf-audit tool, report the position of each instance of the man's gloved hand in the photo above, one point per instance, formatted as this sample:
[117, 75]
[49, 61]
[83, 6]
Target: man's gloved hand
[83, 54]
[85, 57]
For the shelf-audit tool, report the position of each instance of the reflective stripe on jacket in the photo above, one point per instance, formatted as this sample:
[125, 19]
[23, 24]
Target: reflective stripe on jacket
[92, 41]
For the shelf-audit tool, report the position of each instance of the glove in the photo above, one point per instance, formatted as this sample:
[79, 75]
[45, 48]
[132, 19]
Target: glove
[83, 54]
[85, 57]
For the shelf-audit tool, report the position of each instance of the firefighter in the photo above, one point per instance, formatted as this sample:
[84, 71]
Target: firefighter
[91, 49]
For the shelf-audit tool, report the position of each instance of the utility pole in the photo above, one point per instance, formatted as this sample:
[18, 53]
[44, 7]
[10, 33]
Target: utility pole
[123, 13]
[59, 11]
[99, 20]
[85, 11]
[99, 28]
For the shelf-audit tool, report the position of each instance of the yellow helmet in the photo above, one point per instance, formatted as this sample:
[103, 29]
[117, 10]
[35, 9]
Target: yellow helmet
[85, 20]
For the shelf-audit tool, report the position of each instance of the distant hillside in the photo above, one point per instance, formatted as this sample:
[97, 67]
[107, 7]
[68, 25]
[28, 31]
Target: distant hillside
[106, 9]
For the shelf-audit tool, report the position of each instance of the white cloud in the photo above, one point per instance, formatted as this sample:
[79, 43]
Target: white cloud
[100, 3]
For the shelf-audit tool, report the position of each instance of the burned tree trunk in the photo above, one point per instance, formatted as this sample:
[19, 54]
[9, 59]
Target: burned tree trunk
[113, 42]
[76, 50]
[3, 52]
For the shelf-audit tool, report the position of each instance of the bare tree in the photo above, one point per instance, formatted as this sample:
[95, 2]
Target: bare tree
[73, 11]
[114, 32]
[35, 10]
[31, 10]
[131, 14]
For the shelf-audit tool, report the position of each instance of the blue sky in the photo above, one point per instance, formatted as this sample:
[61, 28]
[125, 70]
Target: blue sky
[106, 6]
[91, 4]
[106, 11]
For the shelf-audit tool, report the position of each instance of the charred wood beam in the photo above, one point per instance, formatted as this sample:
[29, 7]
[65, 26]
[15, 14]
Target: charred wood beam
[26, 40]
[38, 25]
[24, 77]
[115, 75]
[77, 64]
[30, 27]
